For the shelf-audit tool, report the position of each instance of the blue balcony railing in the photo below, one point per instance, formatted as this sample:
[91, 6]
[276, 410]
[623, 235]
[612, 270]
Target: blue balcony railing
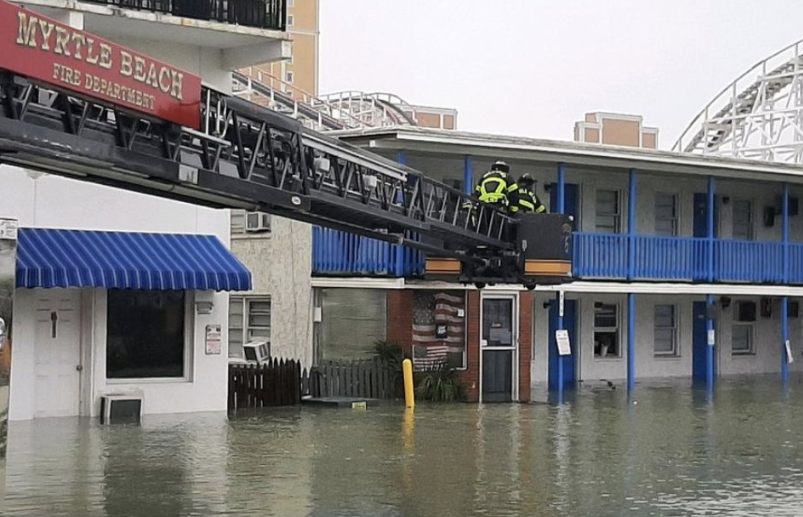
[684, 259]
[344, 254]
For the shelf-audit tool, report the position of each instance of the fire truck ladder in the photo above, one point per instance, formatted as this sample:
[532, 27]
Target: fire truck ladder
[243, 156]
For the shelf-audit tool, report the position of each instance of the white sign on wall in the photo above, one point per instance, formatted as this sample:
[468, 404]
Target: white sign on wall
[562, 338]
[712, 337]
[213, 340]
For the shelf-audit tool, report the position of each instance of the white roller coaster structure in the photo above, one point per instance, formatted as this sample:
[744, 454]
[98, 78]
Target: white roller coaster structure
[758, 116]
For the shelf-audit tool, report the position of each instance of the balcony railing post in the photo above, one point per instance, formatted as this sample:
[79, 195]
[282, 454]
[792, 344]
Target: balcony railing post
[785, 269]
[631, 226]
[710, 229]
[468, 175]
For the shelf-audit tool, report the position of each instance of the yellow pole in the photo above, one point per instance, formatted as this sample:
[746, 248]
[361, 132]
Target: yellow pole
[409, 396]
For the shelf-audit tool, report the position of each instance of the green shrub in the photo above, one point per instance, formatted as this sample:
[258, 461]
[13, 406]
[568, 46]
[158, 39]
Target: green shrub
[439, 384]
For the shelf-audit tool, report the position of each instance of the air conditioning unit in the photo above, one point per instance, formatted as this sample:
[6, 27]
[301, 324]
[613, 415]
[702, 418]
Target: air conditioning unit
[257, 222]
[257, 351]
[121, 408]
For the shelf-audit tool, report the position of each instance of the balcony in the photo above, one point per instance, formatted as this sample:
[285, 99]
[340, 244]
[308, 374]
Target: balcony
[607, 256]
[261, 14]
[336, 253]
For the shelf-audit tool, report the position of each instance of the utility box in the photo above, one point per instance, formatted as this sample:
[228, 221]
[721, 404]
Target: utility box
[121, 408]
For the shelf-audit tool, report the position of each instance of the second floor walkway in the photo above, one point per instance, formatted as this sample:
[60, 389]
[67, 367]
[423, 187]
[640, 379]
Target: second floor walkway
[595, 256]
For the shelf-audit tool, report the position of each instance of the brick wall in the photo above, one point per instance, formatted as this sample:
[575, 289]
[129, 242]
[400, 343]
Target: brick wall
[400, 318]
[471, 377]
[525, 343]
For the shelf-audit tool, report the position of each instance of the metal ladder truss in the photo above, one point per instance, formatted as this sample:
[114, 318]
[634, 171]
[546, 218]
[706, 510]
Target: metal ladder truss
[244, 156]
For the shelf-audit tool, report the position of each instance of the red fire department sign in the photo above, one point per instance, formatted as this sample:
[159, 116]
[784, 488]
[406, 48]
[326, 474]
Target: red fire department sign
[46, 50]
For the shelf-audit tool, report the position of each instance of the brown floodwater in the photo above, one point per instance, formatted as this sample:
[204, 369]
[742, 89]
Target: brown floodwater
[667, 450]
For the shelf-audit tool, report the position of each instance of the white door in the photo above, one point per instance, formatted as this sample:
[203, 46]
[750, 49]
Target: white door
[58, 353]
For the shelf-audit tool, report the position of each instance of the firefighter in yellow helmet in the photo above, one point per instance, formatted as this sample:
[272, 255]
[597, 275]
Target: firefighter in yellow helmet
[494, 185]
[492, 190]
[522, 198]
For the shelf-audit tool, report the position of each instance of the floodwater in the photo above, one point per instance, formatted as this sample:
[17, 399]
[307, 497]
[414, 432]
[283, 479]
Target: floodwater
[667, 451]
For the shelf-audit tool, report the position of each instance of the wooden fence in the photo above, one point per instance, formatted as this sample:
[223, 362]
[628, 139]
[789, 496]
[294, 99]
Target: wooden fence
[368, 378]
[276, 383]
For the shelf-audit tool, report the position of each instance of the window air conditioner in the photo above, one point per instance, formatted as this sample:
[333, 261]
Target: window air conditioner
[257, 222]
[257, 351]
[121, 408]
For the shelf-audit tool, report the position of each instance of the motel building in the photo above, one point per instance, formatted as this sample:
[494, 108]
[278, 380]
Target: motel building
[672, 252]
[119, 292]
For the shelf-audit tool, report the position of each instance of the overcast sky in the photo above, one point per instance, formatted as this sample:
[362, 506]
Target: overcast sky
[533, 67]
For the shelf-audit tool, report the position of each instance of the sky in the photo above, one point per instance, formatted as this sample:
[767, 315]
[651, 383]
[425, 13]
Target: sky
[534, 67]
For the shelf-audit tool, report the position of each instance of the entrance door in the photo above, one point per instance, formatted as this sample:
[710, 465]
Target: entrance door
[569, 361]
[701, 215]
[57, 351]
[700, 342]
[499, 343]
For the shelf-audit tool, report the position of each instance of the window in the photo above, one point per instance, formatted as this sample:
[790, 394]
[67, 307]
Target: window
[742, 330]
[665, 330]
[743, 220]
[352, 321]
[290, 20]
[288, 77]
[666, 214]
[145, 335]
[439, 321]
[249, 320]
[606, 330]
[237, 222]
[608, 214]
[742, 339]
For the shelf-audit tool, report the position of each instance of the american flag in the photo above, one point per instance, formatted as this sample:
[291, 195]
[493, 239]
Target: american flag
[438, 327]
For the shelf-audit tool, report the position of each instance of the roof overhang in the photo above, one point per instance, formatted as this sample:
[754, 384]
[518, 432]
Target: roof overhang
[443, 143]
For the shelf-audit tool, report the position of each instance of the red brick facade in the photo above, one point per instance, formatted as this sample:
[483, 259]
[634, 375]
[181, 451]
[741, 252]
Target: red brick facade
[400, 318]
[471, 377]
[400, 330]
[525, 343]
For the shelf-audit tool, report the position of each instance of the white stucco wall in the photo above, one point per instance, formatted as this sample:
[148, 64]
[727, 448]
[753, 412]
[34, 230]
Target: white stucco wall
[55, 202]
[281, 265]
[766, 331]
[203, 61]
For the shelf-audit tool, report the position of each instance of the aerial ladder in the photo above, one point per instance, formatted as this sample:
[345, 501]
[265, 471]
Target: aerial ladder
[237, 154]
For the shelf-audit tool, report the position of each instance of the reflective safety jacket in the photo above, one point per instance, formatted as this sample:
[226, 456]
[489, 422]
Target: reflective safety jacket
[493, 188]
[523, 200]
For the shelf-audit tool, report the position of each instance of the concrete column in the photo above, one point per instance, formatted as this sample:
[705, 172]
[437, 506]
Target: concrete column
[561, 198]
[710, 230]
[709, 350]
[784, 339]
[631, 226]
[631, 341]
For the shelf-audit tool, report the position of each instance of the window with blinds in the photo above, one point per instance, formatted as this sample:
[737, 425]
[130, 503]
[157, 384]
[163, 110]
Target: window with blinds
[352, 321]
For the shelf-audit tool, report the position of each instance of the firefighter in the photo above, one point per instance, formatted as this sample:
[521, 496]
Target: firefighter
[491, 190]
[494, 185]
[522, 197]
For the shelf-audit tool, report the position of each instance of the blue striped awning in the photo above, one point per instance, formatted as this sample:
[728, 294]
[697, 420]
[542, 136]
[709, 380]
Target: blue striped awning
[116, 260]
